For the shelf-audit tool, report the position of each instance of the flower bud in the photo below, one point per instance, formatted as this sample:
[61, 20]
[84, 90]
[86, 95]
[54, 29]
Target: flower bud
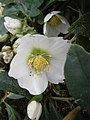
[12, 25]
[7, 54]
[1, 9]
[15, 45]
[34, 110]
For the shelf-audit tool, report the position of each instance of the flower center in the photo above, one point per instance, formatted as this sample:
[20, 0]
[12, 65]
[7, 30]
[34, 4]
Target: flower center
[38, 60]
[40, 64]
[54, 21]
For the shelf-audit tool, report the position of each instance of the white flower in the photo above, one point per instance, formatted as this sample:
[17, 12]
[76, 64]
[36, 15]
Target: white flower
[12, 25]
[1, 9]
[34, 110]
[39, 59]
[54, 24]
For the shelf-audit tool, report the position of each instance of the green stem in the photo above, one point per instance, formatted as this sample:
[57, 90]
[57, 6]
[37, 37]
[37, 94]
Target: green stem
[73, 39]
[62, 98]
[4, 98]
[73, 9]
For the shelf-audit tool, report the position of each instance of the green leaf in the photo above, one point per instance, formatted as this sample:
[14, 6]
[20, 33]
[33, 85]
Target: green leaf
[10, 84]
[55, 115]
[2, 28]
[81, 26]
[34, 5]
[15, 96]
[45, 114]
[12, 114]
[77, 74]
[34, 11]
[83, 41]
[26, 118]
[51, 113]
[38, 98]
[11, 10]
[6, 1]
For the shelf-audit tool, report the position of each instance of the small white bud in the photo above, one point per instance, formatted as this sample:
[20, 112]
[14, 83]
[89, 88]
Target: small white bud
[12, 25]
[7, 54]
[34, 110]
[15, 45]
[1, 9]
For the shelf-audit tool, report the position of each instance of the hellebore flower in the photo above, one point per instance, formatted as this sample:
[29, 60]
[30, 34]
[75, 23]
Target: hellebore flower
[39, 60]
[54, 24]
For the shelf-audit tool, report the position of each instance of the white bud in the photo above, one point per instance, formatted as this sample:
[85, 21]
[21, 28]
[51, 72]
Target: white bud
[34, 110]
[15, 45]
[7, 54]
[1, 9]
[12, 25]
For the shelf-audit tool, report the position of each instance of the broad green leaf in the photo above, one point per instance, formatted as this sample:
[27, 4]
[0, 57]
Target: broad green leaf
[40, 18]
[2, 28]
[6, 1]
[50, 113]
[47, 3]
[34, 5]
[55, 115]
[77, 74]
[12, 114]
[81, 26]
[83, 41]
[26, 118]
[34, 11]
[10, 84]
[11, 10]
[45, 114]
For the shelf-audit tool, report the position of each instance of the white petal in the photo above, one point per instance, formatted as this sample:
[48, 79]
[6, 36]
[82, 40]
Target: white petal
[12, 23]
[45, 29]
[36, 41]
[39, 112]
[64, 28]
[51, 31]
[18, 66]
[35, 84]
[59, 47]
[55, 12]
[63, 19]
[48, 16]
[54, 75]
[11, 30]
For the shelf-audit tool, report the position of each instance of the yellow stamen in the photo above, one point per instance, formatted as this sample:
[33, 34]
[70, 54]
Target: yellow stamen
[40, 64]
[54, 21]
